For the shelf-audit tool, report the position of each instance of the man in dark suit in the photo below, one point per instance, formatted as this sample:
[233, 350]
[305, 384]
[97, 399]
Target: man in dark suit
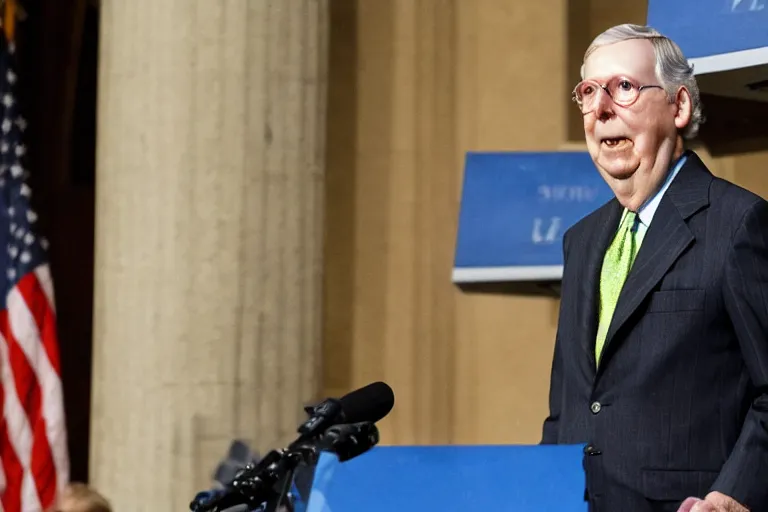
[661, 357]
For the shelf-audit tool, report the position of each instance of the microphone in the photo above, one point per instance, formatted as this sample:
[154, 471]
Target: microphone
[343, 426]
[370, 403]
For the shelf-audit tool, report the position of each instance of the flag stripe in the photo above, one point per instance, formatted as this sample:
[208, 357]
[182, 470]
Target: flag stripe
[29, 392]
[43, 273]
[19, 444]
[29, 315]
[3, 435]
[11, 498]
[44, 322]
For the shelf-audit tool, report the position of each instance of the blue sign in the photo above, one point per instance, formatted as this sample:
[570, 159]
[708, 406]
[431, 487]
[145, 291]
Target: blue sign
[704, 28]
[515, 208]
[452, 479]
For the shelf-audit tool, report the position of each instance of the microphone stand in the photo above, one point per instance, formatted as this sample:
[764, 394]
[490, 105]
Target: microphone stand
[284, 473]
[266, 484]
[346, 441]
[278, 498]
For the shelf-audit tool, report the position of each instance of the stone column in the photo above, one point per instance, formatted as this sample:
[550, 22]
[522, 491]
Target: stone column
[209, 211]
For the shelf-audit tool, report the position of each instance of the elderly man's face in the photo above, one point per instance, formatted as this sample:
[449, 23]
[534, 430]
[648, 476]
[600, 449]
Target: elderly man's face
[632, 146]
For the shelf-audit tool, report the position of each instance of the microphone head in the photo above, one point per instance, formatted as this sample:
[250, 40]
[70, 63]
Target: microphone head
[368, 404]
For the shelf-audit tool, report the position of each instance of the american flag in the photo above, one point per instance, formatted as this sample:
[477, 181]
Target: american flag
[34, 463]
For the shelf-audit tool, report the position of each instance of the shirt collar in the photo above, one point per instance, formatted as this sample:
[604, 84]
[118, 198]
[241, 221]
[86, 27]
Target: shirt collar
[648, 210]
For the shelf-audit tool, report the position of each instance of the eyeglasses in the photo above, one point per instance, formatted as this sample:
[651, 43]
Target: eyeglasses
[623, 91]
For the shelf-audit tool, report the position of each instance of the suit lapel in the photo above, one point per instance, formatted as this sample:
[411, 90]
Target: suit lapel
[667, 238]
[601, 234]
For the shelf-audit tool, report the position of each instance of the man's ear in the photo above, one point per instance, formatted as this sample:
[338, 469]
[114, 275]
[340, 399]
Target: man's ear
[684, 108]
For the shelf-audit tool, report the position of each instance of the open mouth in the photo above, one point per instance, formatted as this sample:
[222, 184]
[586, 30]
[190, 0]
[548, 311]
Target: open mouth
[616, 142]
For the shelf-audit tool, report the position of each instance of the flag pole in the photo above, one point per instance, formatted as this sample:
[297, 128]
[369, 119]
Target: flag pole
[9, 20]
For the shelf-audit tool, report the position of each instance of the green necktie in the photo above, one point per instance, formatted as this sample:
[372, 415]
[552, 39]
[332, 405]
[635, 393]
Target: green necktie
[616, 265]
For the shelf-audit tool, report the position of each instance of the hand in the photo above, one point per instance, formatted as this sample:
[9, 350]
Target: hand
[714, 502]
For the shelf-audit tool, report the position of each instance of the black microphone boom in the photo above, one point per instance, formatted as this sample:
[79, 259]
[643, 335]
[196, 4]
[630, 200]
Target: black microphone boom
[344, 426]
[367, 404]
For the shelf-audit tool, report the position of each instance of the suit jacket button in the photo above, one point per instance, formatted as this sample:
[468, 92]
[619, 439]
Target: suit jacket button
[591, 450]
[595, 407]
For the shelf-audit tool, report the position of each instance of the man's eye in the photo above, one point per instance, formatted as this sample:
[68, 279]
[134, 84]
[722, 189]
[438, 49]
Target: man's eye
[625, 85]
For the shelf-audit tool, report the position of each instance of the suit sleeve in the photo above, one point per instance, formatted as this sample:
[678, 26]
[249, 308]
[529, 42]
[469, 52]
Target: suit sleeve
[552, 422]
[743, 477]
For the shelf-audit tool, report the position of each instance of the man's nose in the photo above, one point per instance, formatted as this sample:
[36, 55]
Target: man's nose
[604, 106]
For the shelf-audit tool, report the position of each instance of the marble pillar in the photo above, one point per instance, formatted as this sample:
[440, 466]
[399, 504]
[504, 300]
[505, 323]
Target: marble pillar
[209, 215]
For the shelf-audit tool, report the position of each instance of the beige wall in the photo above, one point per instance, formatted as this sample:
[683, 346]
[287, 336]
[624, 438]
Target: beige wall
[413, 87]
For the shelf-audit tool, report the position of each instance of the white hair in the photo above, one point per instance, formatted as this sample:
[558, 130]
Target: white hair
[672, 68]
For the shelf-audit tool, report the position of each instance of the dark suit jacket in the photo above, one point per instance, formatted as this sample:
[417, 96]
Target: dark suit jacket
[679, 404]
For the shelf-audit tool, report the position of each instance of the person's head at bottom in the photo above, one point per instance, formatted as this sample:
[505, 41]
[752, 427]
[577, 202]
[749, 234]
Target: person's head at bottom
[78, 497]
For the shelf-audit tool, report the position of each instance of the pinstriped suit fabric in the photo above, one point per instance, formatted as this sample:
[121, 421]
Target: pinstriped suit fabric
[682, 384]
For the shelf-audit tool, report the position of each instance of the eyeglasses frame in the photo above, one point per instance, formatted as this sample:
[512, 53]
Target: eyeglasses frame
[640, 88]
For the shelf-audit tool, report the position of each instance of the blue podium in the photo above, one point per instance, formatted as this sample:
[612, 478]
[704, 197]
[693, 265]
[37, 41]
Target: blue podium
[452, 479]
